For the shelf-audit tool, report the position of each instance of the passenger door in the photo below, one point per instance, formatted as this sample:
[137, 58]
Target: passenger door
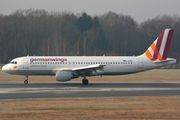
[140, 63]
[25, 63]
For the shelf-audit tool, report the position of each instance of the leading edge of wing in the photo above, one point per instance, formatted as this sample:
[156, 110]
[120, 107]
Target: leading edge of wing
[96, 67]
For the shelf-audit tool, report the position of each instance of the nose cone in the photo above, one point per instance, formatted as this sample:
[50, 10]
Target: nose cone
[4, 68]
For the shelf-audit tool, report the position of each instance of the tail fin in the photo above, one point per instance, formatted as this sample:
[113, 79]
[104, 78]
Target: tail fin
[160, 47]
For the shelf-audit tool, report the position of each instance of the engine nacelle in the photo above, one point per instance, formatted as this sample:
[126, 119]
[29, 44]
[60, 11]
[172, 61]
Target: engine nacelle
[63, 76]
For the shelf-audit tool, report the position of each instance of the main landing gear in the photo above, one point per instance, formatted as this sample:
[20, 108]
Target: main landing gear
[85, 81]
[26, 81]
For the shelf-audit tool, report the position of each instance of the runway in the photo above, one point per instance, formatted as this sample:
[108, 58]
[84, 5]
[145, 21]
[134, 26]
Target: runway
[19, 90]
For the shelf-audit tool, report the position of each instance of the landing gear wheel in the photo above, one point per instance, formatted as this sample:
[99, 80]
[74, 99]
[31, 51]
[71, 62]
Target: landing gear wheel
[85, 81]
[25, 82]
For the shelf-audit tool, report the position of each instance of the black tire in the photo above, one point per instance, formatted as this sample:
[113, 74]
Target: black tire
[25, 82]
[85, 81]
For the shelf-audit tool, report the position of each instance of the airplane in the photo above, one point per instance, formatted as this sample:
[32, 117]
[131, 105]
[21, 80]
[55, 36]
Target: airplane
[66, 68]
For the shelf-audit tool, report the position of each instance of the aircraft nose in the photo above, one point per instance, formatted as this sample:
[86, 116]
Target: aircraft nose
[4, 67]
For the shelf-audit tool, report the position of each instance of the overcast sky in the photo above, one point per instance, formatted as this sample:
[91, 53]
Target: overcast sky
[140, 10]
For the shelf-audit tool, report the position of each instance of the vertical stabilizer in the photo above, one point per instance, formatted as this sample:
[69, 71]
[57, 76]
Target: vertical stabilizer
[160, 47]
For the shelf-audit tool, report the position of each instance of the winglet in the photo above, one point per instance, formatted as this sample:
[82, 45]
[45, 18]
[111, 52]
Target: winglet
[160, 47]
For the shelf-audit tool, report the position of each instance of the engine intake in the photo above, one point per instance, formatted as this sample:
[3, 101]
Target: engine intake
[63, 76]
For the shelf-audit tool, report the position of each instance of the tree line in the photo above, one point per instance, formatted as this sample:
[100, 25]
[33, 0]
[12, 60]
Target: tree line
[43, 33]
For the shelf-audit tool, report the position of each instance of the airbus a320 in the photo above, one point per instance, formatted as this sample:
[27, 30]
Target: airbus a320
[66, 68]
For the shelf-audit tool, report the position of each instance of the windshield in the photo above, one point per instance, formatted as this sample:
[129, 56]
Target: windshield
[12, 62]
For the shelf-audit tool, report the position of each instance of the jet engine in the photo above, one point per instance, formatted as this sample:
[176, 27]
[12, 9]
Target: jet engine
[63, 76]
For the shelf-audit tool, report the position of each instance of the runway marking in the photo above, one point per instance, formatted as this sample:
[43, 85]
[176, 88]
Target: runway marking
[68, 90]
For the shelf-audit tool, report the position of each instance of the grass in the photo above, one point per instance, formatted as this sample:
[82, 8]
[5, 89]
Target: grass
[151, 107]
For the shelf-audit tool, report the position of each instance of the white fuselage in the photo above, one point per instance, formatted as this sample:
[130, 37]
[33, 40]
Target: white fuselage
[113, 65]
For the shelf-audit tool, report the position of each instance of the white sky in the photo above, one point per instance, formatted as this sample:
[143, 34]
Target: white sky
[140, 10]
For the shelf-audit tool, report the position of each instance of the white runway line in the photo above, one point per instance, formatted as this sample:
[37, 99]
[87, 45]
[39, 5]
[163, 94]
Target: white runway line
[66, 90]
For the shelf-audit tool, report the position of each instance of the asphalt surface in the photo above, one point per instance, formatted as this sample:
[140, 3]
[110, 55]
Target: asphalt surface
[19, 90]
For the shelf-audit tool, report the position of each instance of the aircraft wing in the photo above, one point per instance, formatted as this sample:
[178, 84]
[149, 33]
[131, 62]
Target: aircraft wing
[88, 70]
[90, 67]
[82, 70]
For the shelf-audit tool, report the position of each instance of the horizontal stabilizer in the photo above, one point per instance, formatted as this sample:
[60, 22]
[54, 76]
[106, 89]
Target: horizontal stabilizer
[163, 61]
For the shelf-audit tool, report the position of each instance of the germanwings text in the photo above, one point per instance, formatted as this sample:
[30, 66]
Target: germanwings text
[47, 59]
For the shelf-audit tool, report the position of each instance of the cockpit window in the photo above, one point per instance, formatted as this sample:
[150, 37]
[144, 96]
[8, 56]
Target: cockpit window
[13, 62]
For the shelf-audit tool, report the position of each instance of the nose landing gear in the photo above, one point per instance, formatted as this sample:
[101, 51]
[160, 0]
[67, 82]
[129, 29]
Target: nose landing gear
[26, 81]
